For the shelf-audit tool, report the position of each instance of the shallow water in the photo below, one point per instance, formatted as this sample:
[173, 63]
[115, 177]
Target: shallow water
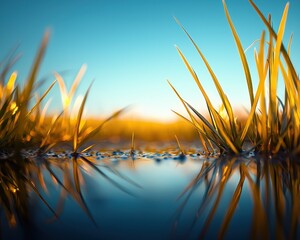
[162, 195]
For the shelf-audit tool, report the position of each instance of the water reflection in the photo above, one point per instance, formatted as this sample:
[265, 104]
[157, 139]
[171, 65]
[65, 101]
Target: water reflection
[273, 185]
[223, 198]
[20, 177]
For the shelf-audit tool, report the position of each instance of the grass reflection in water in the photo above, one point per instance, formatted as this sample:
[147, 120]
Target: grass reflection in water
[255, 197]
[269, 185]
[23, 174]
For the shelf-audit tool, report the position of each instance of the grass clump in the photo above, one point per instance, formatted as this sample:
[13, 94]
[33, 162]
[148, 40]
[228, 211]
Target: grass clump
[19, 114]
[27, 134]
[24, 122]
[272, 125]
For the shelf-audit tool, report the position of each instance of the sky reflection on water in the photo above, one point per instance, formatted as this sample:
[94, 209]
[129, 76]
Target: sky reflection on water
[198, 198]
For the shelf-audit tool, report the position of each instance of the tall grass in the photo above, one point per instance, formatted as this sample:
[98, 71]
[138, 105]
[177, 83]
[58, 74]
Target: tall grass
[23, 120]
[272, 125]
[18, 120]
[24, 126]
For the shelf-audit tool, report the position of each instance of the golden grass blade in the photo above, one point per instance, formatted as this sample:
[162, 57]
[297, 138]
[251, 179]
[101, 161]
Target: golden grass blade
[274, 35]
[76, 175]
[132, 147]
[11, 82]
[262, 69]
[24, 97]
[51, 129]
[63, 90]
[251, 45]
[32, 76]
[260, 89]
[43, 113]
[191, 70]
[41, 197]
[88, 148]
[291, 92]
[233, 204]
[6, 105]
[295, 208]
[200, 128]
[183, 117]
[203, 119]
[79, 197]
[193, 121]
[41, 180]
[207, 100]
[179, 145]
[211, 214]
[290, 44]
[97, 129]
[40, 99]
[280, 204]
[111, 180]
[7, 64]
[216, 82]
[77, 80]
[183, 103]
[5, 199]
[78, 120]
[260, 222]
[205, 169]
[223, 137]
[203, 133]
[275, 68]
[241, 53]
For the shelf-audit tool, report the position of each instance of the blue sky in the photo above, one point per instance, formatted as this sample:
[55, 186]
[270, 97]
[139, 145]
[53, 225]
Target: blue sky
[128, 46]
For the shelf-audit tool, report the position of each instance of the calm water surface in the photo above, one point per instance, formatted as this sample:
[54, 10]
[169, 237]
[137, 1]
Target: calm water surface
[156, 196]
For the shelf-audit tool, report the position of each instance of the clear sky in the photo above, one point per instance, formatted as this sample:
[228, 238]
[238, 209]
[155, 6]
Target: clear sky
[128, 46]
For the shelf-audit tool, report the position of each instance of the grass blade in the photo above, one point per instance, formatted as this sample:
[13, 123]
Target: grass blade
[222, 95]
[78, 121]
[241, 53]
[40, 99]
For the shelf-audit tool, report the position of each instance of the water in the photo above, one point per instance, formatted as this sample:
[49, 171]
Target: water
[152, 195]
